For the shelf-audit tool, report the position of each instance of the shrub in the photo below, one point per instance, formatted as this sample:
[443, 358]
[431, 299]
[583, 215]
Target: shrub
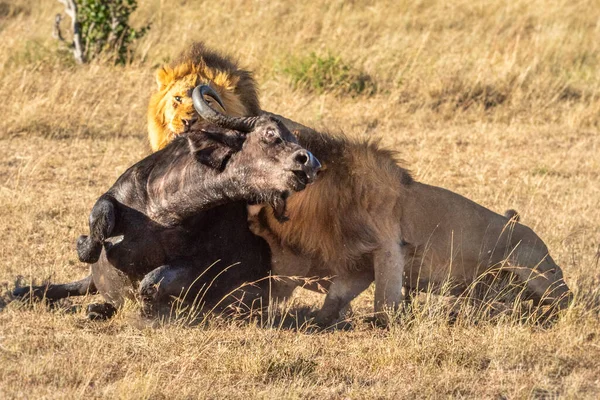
[328, 74]
[101, 27]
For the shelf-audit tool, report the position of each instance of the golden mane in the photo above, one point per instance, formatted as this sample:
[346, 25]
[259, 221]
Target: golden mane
[170, 107]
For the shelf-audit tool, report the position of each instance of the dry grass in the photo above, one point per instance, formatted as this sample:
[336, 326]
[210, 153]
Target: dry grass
[497, 100]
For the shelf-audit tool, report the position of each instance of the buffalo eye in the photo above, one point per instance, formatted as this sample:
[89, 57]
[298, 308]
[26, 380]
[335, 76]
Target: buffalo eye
[178, 99]
[271, 136]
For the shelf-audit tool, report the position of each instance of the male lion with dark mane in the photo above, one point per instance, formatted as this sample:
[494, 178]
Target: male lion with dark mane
[365, 219]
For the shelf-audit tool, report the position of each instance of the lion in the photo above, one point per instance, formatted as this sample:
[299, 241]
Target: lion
[171, 112]
[366, 219]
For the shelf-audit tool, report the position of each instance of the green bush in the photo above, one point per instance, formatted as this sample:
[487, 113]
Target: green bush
[328, 74]
[105, 28]
[101, 28]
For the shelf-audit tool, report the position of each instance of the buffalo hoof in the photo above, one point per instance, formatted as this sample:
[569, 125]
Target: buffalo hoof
[88, 250]
[100, 311]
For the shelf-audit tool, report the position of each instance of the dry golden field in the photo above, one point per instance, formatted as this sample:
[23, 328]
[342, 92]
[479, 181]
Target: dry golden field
[496, 100]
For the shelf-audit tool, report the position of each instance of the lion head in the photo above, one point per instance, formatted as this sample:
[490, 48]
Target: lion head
[171, 111]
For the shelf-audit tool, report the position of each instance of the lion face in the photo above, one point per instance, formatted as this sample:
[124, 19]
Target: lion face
[179, 110]
[171, 111]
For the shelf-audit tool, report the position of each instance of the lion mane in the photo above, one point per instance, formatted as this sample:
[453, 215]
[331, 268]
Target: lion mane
[171, 111]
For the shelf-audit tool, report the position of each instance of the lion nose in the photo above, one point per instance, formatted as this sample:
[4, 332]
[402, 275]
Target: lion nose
[188, 123]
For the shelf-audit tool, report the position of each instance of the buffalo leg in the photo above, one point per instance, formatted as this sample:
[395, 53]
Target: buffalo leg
[56, 292]
[102, 223]
[343, 290]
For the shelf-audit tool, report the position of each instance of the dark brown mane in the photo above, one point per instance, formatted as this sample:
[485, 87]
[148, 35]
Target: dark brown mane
[342, 150]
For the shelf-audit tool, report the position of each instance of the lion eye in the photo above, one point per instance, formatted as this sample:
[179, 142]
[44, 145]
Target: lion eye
[178, 99]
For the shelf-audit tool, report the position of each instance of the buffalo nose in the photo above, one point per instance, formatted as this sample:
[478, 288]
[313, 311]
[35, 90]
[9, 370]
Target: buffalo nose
[301, 157]
[307, 163]
[306, 159]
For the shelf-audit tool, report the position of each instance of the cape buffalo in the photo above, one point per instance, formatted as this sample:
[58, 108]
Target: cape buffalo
[171, 215]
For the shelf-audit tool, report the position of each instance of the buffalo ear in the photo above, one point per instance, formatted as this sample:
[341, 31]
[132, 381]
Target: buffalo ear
[214, 157]
[163, 76]
[209, 153]
[221, 136]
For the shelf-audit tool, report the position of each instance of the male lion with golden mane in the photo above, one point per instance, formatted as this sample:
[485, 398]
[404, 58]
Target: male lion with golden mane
[365, 219]
[171, 111]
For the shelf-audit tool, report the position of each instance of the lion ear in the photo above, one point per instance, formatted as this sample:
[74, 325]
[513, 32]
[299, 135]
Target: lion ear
[163, 76]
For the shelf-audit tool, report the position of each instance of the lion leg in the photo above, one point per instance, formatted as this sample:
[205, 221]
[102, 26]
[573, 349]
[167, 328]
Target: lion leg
[343, 290]
[289, 271]
[102, 223]
[542, 277]
[55, 292]
[281, 289]
[286, 264]
[389, 272]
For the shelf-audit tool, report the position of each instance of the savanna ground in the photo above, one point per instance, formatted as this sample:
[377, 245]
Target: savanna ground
[497, 100]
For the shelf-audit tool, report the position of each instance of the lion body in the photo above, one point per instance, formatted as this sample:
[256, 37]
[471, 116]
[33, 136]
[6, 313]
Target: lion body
[365, 219]
[339, 218]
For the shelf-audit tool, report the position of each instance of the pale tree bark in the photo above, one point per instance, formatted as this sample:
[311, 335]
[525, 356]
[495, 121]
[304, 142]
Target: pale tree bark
[56, 34]
[71, 11]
